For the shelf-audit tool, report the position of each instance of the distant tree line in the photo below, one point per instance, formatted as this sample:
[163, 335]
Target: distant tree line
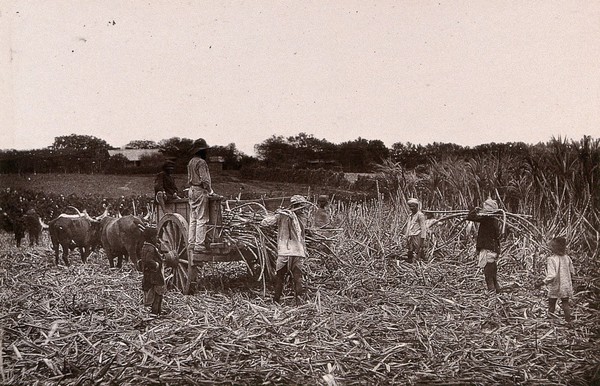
[88, 154]
[291, 155]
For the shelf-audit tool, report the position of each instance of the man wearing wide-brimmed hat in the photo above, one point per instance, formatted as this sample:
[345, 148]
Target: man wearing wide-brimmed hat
[165, 188]
[416, 230]
[200, 188]
[488, 242]
[291, 243]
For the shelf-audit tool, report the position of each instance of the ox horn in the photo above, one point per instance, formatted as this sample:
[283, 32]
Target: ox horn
[102, 215]
[147, 217]
[44, 226]
[77, 210]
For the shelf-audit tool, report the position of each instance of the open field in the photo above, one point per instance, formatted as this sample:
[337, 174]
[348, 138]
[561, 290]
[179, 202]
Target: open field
[366, 321]
[110, 185]
[369, 317]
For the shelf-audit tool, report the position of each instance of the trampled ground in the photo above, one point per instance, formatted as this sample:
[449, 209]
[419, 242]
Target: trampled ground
[366, 321]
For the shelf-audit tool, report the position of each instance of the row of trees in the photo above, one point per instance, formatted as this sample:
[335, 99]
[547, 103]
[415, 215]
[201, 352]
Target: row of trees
[88, 154]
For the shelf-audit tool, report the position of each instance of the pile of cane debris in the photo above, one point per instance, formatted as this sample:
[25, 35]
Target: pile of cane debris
[367, 321]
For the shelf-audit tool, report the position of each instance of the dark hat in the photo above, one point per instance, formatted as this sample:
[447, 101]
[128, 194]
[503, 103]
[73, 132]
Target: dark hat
[199, 144]
[323, 198]
[560, 243]
[169, 164]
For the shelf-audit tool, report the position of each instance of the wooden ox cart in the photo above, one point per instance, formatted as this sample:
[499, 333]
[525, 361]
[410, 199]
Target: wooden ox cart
[222, 238]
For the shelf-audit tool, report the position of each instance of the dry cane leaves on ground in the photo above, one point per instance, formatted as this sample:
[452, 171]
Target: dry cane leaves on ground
[365, 321]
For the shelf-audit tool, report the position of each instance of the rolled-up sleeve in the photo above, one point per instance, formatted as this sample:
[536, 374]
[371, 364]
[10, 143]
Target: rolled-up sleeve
[269, 220]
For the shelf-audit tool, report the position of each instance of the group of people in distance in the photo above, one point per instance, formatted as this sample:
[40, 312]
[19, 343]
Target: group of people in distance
[293, 220]
[559, 266]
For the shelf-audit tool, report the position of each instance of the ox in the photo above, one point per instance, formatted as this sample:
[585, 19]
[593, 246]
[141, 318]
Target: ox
[13, 223]
[20, 224]
[123, 238]
[33, 226]
[80, 230]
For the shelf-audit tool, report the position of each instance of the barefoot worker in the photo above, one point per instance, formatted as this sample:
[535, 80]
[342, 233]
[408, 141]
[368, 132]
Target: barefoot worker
[488, 242]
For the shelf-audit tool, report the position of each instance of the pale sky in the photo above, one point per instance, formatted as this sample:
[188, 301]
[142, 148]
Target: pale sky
[466, 72]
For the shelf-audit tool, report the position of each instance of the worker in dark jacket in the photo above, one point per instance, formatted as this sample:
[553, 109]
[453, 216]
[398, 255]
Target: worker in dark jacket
[164, 185]
[153, 282]
[488, 241]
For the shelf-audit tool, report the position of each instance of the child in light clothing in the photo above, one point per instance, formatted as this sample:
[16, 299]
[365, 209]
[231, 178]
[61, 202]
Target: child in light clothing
[559, 268]
[416, 231]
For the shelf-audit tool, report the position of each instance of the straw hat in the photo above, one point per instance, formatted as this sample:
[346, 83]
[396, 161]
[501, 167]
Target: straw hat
[299, 200]
[490, 205]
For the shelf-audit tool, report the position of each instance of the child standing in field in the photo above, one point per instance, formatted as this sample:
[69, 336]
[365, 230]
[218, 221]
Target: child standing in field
[559, 268]
[416, 231]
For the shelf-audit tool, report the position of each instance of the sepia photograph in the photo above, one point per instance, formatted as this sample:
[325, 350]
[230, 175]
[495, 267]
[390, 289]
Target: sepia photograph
[329, 193]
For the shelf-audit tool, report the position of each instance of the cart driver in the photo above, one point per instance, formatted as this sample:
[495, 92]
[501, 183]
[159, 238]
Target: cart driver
[165, 189]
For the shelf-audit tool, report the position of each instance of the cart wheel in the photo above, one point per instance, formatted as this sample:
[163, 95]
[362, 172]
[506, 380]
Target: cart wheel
[172, 241]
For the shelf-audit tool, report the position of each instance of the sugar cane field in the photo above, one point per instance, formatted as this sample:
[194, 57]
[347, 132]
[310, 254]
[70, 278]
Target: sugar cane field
[369, 316]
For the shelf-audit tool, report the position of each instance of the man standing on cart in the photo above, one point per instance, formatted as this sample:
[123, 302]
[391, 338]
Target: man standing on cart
[200, 188]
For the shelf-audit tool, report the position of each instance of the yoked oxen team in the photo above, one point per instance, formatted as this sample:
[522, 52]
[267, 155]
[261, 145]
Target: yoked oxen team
[120, 237]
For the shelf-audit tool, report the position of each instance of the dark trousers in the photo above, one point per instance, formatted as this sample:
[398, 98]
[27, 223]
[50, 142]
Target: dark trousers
[415, 248]
[564, 303]
[490, 271]
[296, 273]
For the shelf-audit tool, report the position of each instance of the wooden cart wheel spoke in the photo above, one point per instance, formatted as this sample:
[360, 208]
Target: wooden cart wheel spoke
[169, 233]
[173, 233]
[182, 274]
[165, 238]
[182, 246]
